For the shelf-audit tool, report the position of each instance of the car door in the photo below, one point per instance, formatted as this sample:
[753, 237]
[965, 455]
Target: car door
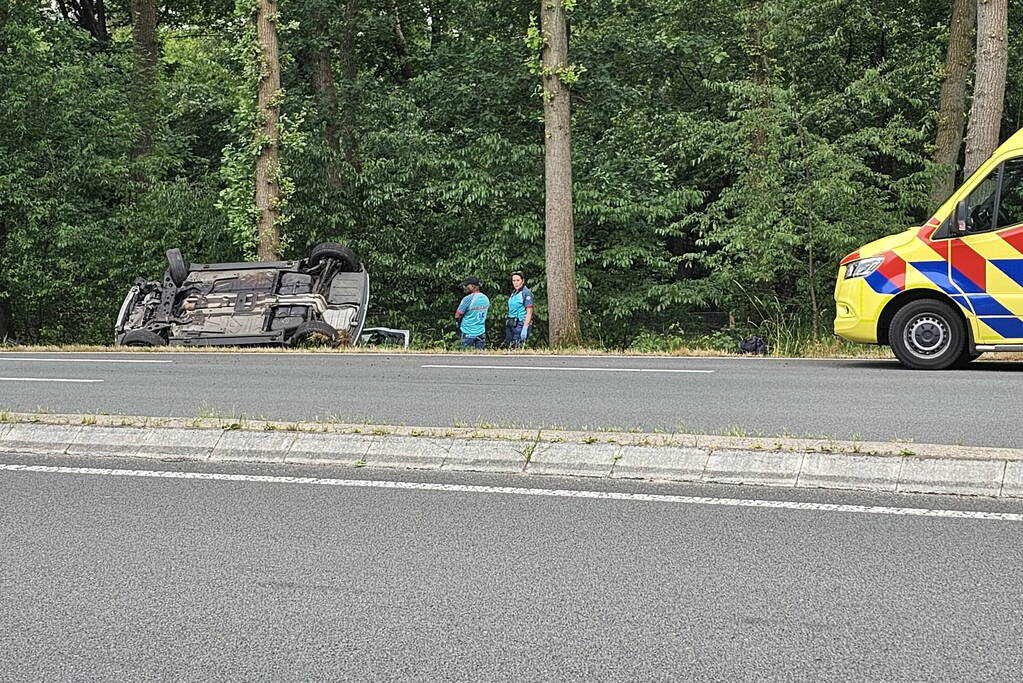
[987, 262]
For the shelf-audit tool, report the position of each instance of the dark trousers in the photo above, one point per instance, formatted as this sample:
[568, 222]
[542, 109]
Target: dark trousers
[512, 330]
[479, 342]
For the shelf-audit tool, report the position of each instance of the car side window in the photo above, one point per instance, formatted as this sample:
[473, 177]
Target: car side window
[981, 203]
[1010, 201]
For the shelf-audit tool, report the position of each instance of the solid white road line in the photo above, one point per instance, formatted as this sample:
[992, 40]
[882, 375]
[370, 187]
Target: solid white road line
[548, 368]
[82, 360]
[510, 490]
[48, 379]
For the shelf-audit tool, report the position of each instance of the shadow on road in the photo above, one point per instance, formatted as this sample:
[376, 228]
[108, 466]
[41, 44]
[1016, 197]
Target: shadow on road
[879, 364]
[995, 366]
[977, 366]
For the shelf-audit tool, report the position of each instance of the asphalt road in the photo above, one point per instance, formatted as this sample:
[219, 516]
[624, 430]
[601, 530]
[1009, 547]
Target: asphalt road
[138, 578]
[872, 400]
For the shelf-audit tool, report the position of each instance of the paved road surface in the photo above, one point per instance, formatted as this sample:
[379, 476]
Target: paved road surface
[129, 578]
[874, 400]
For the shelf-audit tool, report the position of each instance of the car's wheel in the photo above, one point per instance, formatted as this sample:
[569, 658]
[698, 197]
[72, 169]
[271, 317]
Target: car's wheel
[339, 252]
[927, 334]
[142, 338]
[314, 333]
[177, 266]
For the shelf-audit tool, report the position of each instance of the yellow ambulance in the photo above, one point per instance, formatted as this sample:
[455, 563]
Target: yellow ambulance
[942, 294]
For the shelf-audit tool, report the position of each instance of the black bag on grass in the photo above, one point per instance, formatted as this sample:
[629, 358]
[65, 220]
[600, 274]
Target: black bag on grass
[753, 345]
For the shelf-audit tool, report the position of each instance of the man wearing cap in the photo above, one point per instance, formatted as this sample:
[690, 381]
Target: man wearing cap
[472, 315]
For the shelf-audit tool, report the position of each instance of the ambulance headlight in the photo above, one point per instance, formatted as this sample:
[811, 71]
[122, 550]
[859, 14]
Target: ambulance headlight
[863, 267]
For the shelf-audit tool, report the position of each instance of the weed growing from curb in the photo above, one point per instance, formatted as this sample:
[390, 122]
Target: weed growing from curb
[528, 452]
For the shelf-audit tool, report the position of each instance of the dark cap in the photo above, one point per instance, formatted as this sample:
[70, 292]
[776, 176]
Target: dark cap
[471, 280]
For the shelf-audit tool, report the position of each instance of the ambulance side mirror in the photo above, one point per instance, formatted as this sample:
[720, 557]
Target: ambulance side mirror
[963, 220]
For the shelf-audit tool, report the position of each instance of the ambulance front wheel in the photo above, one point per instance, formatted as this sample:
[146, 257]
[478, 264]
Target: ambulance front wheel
[927, 334]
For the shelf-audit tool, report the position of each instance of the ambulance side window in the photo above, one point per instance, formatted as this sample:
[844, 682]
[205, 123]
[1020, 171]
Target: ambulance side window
[1010, 205]
[981, 203]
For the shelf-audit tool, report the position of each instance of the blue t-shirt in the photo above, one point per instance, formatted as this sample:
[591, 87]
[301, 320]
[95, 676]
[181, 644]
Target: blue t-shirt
[518, 302]
[474, 307]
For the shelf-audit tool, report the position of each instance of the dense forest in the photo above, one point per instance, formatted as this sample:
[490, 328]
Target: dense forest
[725, 154]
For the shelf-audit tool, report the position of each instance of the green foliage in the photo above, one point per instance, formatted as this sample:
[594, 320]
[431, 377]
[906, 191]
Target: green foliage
[76, 223]
[675, 340]
[725, 155]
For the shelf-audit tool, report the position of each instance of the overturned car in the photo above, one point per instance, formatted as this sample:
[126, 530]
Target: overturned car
[319, 300]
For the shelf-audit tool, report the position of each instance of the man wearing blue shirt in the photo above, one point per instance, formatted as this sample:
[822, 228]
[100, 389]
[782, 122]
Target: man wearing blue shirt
[520, 312]
[472, 315]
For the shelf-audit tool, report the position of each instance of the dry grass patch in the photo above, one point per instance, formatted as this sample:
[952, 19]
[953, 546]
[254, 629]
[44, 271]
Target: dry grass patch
[823, 348]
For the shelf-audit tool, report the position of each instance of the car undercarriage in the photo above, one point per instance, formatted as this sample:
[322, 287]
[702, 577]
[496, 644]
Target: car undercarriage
[321, 299]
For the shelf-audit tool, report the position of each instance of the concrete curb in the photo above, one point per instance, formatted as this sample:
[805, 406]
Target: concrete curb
[889, 467]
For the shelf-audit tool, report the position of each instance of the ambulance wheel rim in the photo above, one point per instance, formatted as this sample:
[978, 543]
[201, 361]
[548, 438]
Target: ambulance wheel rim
[928, 335]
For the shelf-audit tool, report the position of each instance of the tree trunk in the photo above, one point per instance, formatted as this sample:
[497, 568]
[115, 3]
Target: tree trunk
[90, 15]
[6, 321]
[318, 62]
[349, 72]
[322, 72]
[143, 32]
[268, 190]
[400, 44]
[760, 67]
[560, 230]
[6, 314]
[952, 101]
[989, 86]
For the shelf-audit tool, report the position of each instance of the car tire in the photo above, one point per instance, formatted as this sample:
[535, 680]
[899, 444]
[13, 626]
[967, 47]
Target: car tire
[142, 338]
[177, 267]
[928, 334]
[314, 333]
[339, 252]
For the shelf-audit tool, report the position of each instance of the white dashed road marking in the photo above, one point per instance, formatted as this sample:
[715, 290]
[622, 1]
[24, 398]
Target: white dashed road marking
[509, 490]
[48, 379]
[83, 360]
[548, 368]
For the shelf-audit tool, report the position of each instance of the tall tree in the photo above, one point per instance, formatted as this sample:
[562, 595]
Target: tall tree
[952, 100]
[560, 228]
[989, 85]
[349, 72]
[143, 31]
[329, 36]
[268, 104]
[400, 43]
[319, 63]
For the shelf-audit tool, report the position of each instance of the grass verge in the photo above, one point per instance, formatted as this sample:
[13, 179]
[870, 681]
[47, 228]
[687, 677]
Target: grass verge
[817, 349]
